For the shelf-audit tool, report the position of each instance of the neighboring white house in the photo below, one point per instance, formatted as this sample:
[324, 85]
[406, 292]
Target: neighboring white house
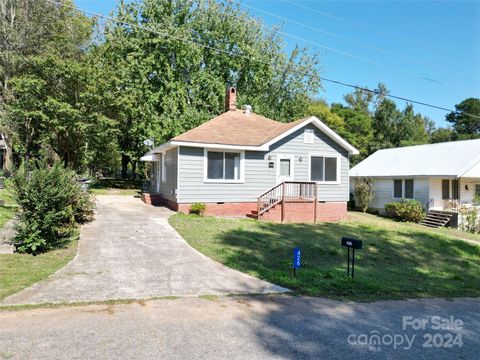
[443, 176]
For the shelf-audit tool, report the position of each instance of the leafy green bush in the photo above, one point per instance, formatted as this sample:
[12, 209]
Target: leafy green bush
[51, 204]
[363, 191]
[470, 220]
[198, 208]
[476, 200]
[405, 210]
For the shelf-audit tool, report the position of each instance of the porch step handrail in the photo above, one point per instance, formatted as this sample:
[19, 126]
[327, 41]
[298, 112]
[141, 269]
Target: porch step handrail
[285, 191]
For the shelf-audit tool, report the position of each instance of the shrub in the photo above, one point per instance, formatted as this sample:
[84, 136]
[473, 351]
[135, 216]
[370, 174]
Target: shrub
[51, 204]
[470, 220]
[198, 209]
[405, 210]
[364, 193]
[476, 200]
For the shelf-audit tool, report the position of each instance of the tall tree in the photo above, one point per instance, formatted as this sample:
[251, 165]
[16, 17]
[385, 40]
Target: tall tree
[357, 129]
[170, 61]
[441, 135]
[321, 110]
[46, 107]
[412, 129]
[466, 119]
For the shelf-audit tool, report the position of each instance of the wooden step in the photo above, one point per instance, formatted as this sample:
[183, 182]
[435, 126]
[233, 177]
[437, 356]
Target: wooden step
[436, 219]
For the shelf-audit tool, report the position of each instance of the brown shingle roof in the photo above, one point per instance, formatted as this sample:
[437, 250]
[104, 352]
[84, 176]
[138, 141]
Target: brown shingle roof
[234, 127]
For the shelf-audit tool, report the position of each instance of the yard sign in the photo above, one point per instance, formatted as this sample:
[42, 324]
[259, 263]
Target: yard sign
[296, 259]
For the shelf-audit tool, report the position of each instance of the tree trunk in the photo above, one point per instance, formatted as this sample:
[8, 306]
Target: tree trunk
[125, 161]
[134, 168]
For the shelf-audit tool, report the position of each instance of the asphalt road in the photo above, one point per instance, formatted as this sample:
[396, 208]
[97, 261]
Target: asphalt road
[261, 327]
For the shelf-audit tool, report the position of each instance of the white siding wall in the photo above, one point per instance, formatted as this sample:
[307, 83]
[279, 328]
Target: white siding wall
[466, 196]
[384, 191]
[168, 187]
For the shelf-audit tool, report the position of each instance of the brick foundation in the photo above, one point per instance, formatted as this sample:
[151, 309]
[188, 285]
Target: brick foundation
[302, 211]
[295, 212]
[152, 199]
[225, 209]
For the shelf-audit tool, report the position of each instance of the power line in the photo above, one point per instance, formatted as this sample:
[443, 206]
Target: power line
[348, 54]
[411, 73]
[367, 46]
[359, 43]
[385, 33]
[414, 74]
[250, 58]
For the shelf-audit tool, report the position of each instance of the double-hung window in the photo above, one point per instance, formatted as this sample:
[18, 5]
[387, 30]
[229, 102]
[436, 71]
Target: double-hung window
[324, 168]
[403, 188]
[223, 166]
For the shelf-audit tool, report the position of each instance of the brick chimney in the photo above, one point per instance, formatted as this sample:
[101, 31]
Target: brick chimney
[231, 99]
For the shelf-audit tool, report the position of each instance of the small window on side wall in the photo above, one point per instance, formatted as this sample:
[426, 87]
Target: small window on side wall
[409, 189]
[397, 189]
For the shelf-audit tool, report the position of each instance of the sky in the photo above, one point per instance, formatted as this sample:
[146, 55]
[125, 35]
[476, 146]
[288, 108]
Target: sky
[427, 51]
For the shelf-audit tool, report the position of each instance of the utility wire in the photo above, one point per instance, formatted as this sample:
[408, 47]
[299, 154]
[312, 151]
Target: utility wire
[397, 97]
[367, 46]
[359, 43]
[414, 74]
[348, 54]
[338, 18]
[411, 73]
[252, 59]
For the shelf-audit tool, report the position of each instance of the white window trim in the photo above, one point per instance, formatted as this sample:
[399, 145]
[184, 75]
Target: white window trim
[324, 155]
[292, 165]
[223, 181]
[403, 189]
[164, 167]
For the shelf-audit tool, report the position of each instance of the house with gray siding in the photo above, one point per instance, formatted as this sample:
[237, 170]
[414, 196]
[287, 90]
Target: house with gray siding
[240, 163]
[444, 177]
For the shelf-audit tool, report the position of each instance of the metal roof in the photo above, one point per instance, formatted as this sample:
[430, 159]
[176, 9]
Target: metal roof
[443, 159]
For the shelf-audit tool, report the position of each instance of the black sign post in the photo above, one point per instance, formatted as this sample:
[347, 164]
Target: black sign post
[353, 244]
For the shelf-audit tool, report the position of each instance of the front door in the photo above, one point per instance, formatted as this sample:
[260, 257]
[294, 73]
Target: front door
[285, 169]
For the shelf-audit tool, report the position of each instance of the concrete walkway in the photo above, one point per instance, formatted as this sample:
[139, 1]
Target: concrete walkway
[131, 252]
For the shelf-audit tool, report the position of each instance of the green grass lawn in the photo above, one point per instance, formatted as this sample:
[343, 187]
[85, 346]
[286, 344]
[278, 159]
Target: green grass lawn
[116, 187]
[398, 260]
[7, 211]
[18, 271]
[7, 196]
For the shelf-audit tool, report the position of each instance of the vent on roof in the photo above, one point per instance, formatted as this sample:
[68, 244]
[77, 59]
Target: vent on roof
[248, 109]
[231, 99]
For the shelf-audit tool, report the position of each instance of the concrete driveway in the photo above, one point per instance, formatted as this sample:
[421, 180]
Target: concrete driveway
[260, 327]
[131, 252]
